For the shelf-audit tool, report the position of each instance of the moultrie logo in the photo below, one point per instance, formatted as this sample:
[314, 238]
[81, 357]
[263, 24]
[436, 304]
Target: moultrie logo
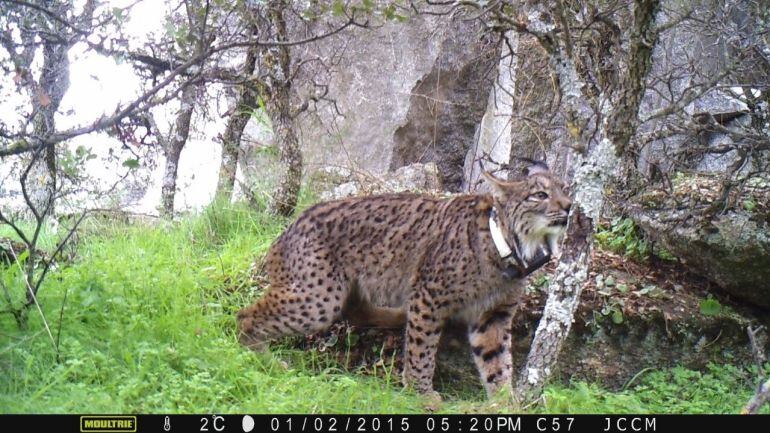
[107, 424]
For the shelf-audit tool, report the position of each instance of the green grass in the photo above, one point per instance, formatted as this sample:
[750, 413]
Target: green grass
[148, 326]
[719, 389]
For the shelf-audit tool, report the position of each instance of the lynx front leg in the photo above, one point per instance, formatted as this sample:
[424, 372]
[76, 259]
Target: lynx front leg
[423, 330]
[490, 339]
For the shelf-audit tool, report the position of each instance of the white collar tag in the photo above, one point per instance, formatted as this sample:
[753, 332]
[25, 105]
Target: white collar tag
[497, 236]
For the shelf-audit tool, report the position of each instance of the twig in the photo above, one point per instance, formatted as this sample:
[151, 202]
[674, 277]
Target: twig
[145, 100]
[40, 310]
[61, 318]
[762, 395]
[21, 341]
[51, 14]
[758, 400]
[59, 248]
[756, 347]
[636, 376]
[16, 313]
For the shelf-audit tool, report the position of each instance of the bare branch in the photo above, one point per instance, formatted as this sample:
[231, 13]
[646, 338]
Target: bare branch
[762, 394]
[143, 102]
[51, 14]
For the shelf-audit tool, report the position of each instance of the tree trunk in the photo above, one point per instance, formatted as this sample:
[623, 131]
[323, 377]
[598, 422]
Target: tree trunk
[617, 122]
[46, 97]
[173, 149]
[571, 274]
[284, 200]
[197, 15]
[231, 138]
[231, 145]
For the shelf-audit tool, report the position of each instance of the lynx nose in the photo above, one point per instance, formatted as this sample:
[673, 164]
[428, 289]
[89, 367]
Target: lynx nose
[562, 205]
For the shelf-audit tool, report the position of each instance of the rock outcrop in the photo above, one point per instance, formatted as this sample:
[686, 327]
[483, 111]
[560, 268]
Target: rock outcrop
[423, 178]
[730, 247]
[407, 92]
[733, 250]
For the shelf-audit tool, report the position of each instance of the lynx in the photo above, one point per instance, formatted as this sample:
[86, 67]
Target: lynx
[413, 260]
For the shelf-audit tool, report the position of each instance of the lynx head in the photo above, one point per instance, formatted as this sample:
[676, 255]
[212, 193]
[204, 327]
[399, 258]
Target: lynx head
[531, 210]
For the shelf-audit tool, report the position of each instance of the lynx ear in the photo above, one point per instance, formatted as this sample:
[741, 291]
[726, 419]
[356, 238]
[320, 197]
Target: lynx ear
[499, 188]
[536, 167]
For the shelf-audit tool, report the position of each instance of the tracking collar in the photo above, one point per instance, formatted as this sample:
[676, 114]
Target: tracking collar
[516, 267]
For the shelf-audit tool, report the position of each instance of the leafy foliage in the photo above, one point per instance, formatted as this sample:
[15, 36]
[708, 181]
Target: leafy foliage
[624, 237]
[710, 307]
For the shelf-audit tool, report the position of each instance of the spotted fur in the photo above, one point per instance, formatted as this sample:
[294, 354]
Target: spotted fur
[398, 259]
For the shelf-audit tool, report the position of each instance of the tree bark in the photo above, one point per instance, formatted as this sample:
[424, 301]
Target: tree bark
[571, 274]
[173, 149]
[617, 121]
[198, 18]
[231, 138]
[285, 198]
[46, 97]
[759, 399]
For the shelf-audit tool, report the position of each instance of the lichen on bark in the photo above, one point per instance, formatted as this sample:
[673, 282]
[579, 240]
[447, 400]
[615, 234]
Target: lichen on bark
[604, 145]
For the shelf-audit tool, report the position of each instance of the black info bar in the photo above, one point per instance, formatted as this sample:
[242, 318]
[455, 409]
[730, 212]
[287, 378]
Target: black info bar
[384, 423]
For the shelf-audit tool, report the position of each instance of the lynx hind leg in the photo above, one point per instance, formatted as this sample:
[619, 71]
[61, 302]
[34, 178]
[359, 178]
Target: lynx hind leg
[308, 304]
[361, 312]
[370, 316]
[490, 339]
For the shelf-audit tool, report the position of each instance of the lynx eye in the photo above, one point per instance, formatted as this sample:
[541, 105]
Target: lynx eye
[539, 195]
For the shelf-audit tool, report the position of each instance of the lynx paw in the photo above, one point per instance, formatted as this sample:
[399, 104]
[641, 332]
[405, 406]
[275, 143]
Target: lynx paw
[432, 401]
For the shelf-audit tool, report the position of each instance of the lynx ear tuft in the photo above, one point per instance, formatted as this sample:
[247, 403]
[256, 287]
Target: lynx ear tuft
[537, 167]
[534, 166]
[499, 187]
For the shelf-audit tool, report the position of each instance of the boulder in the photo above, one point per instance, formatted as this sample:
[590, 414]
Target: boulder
[404, 92]
[413, 178]
[447, 104]
[523, 119]
[733, 250]
[730, 248]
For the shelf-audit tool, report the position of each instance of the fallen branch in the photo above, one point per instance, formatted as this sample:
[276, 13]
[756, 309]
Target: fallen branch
[762, 395]
[758, 400]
